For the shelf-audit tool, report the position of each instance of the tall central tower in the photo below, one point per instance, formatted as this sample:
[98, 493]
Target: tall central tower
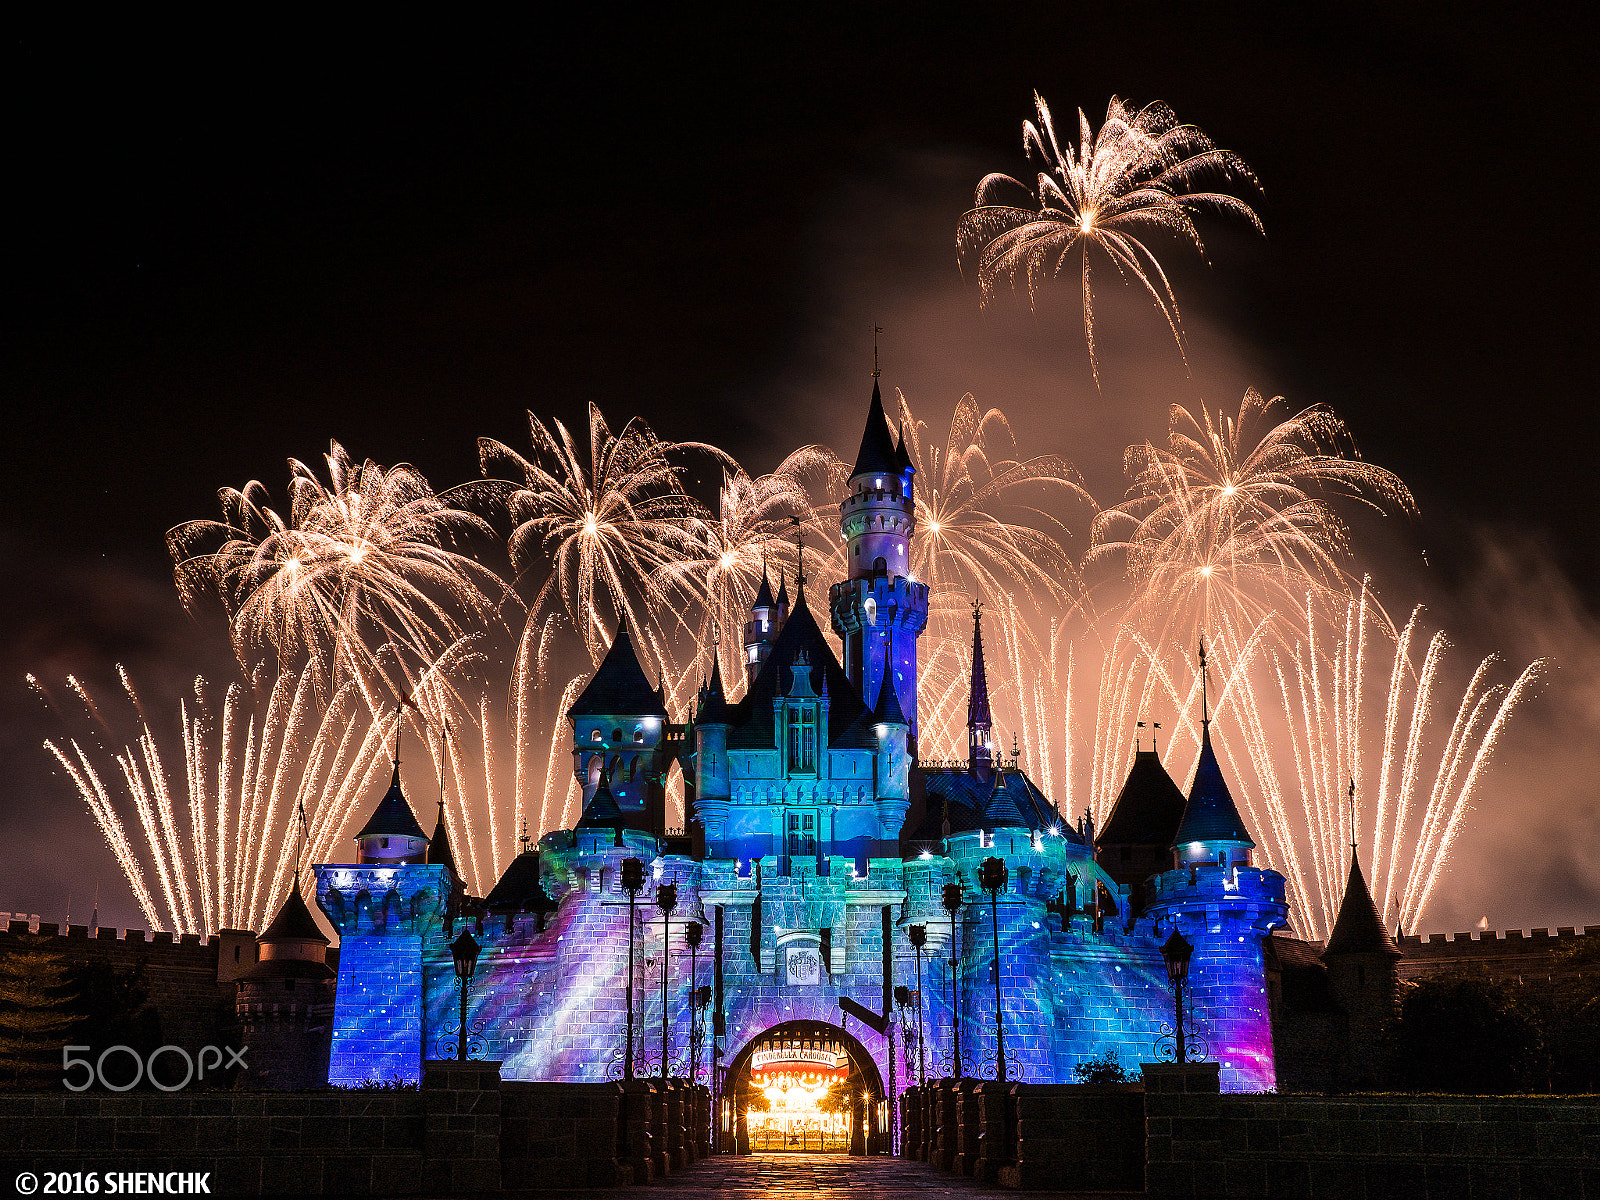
[879, 609]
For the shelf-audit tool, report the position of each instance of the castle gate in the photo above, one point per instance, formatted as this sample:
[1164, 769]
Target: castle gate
[804, 1086]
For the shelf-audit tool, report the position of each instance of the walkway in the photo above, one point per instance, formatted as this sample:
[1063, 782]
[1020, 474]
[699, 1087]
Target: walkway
[821, 1177]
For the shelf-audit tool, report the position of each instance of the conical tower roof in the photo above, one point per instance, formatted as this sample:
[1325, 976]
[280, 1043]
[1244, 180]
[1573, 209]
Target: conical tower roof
[877, 443]
[1358, 928]
[764, 592]
[1148, 809]
[888, 711]
[1210, 814]
[602, 811]
[1001, 812]
[783, 591]
[294, 922]
[393, 816]
[902, 456]
[439, 844]
[715, 711]
[619, 686]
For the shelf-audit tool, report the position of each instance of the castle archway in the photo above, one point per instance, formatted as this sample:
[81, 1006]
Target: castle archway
[804, 1086]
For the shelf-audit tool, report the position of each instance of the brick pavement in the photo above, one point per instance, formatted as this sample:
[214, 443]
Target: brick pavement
[819, 1177]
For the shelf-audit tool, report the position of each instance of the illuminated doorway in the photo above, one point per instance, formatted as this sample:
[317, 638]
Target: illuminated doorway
[804, 1087]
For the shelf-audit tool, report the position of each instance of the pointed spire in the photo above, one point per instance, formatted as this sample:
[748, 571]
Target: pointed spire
[902, 457]
[1358, 929]
[783, 593]
[294, 922]
[1210, 815]
[877, 443]
[764, 592]
[980, 723]
[619, 687]
[887, 710]
[439, 845]
[393, 816]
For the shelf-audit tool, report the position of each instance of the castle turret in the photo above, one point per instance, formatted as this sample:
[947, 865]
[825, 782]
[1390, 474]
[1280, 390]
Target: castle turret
[712, 789]
[386, 906]
[880, 609]
[1361, 960]
[894, 762]
[761, 631]
[980, 734]
[1226, 909]
[618, 729]
[391, 836]
[285, 1000]
[1136, 842]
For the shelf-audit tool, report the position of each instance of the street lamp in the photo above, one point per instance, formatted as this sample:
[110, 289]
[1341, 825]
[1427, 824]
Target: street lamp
[992, 877]
[919, 938]
[953, 900]
[694, 934]
[1176, 952]
[465, 952]
[666, 901]
[633, 884]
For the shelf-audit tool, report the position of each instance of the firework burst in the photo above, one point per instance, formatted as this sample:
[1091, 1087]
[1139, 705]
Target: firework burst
[361, 560]
[1135, 176]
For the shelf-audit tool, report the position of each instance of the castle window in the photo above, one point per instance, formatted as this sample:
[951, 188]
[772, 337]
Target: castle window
[384, 843]
[802, 830]
[595, 736]
[803, 740]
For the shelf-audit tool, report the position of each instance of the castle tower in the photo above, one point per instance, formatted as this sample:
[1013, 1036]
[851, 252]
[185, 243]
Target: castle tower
[618, 729]
[894, 763]
[1137, 840]
[879, 609]
[980, 734]
[1225, 908]
[386, 910]
[1361, 959]
[712, 789]
[285, 1000]
[762, 629]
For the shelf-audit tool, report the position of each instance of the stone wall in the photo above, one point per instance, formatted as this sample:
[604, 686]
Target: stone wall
[462, 1133]
[1262, 1147]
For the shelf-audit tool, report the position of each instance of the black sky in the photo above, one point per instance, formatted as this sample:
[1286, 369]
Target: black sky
[230, 244]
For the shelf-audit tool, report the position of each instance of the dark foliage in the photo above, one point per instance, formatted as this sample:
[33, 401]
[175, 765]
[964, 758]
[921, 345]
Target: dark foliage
[1105, 1069]
[1470, 1035]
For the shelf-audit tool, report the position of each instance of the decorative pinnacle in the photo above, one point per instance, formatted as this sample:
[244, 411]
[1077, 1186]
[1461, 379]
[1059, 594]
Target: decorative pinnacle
[876, 330]
[800, 555]
[1205, 709]
[1352, 795]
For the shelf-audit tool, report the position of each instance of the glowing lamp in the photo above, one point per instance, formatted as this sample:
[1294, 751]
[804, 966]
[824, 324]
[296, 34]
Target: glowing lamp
[1175, 952]
[465, 952]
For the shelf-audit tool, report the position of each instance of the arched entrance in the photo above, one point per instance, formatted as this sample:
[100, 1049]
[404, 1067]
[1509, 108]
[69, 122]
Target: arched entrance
[803, 1086]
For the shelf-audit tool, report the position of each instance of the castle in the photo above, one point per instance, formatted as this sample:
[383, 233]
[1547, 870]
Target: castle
[821, 846]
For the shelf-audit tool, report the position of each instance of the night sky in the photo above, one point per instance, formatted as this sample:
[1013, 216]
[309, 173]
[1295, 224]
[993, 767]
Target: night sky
[229, 245]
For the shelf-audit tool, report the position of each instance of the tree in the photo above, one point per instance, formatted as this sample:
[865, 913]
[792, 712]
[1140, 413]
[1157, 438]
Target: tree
[1105, 1069]
[37, 1016]
[113, 1009]
[1470, 1034]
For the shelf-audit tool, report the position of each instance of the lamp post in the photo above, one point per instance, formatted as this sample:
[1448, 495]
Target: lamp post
[694, 934]
[919, 938]
[992, 877]
[633, 884]
[1175, 952]
[666, 901]
[465, 952]
[952, 899]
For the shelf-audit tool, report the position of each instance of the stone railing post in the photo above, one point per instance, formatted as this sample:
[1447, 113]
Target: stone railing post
[910, 1122]
[996, 1135]
[672, 1097]
[1182, 1128]
[461, 1127]
[966, 1122]
[946, 1138]
[660, 1154]
[637, 1133]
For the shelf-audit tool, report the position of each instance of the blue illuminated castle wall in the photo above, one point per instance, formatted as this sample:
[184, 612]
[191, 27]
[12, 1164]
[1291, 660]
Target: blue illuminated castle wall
[814, 828]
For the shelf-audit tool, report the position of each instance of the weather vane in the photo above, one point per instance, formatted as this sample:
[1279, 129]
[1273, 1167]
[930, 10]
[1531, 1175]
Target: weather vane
[876, 330]
[800, 554]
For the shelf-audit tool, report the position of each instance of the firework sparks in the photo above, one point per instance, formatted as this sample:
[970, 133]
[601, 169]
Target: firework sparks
[359, 560]
[1135, 176]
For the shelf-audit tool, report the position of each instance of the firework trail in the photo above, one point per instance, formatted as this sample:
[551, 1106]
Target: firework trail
[1134, 177]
